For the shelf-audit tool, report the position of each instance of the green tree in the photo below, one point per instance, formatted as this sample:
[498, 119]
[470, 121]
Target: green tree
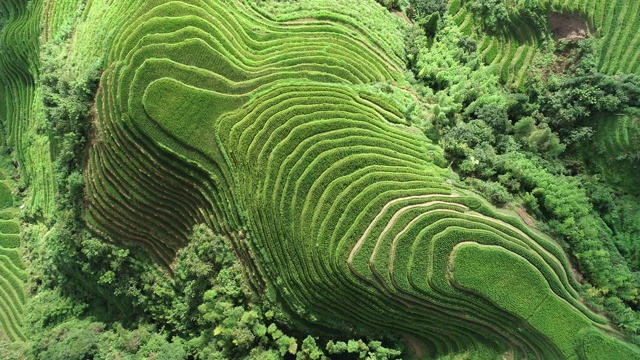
[420, 9]
[491, 14]
[310, 350]
[334, 348]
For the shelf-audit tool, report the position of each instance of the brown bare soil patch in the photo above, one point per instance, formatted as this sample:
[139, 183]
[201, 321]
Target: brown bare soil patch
[577, 274]
[525, 217]
[509, 355]
[402, 15]
[415, 347]
[568, 26]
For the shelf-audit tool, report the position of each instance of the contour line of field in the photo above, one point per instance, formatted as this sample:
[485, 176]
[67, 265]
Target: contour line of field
[614, 41]
[399, 297]
[384, 209]
[473, 320]
[498, 222]
[392, 257]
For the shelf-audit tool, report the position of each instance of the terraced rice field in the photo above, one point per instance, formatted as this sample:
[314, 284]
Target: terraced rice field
[514, 47]
[218, 112]
[18, 91]
[617, 140]
[511, 51]
[56, 14]
[21, 108]
[619, 42]
[12, 269]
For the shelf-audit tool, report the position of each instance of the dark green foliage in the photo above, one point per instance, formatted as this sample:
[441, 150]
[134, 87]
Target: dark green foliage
[206, 311]
[389, 4]
[523, 146]
[494, 115]
[422, 9]
[198, 269]
[492, 14]
[461, 140]
[74, 343]
[67, 99]
[116, 281]
[430, 24]
[537, 138]
[569, 100]
[415, 40]
[360, 349]
[159, 347]
[492, 191]
[468, 44]
[621, 213]
[534, 15]
[6, 197]
[85, 339]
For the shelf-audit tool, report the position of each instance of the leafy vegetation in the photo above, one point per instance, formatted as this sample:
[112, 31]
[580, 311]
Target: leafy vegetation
[277, 179]
[532, 147]
[206, 312]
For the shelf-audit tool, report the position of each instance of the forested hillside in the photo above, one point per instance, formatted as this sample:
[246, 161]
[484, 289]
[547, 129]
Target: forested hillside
[313, 179]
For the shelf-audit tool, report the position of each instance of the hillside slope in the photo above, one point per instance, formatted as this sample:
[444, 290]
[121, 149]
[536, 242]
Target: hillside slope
[278, 125]
[209, 112]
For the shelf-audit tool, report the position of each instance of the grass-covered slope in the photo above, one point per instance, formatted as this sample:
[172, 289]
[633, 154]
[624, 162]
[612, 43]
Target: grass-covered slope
[512, 45]
[257, 124]
[12, 270]
[18, 109]
[607, 17]
[617, 144]
[21, 108]
[510, 49]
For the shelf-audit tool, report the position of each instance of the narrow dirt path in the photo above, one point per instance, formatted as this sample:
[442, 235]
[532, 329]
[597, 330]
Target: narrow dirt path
[414, 346]
[402, 15]
[525, 217]
[384, 209]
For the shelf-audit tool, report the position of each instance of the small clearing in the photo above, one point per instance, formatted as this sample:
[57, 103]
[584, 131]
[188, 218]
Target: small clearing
[525, 217]
[414, 346]
[402, 15]
[568, 27]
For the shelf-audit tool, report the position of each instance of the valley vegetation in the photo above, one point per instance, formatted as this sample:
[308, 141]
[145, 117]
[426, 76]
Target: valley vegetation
[305, 179]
